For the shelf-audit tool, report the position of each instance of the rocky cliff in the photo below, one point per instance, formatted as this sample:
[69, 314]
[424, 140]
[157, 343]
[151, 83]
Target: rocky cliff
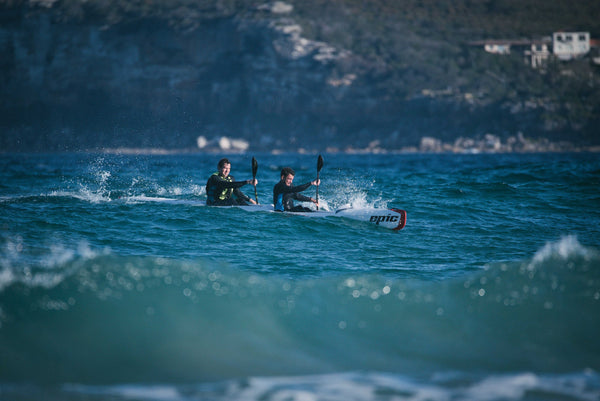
[143, 80]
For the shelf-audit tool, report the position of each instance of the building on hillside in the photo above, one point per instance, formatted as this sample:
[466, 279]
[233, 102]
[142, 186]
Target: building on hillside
[538, 54]
[562, 45]
[500, 46]
[570, 45]
[497, 47]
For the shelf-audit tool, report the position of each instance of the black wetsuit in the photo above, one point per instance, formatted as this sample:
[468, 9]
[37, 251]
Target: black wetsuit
[222, 191]
[283, 197]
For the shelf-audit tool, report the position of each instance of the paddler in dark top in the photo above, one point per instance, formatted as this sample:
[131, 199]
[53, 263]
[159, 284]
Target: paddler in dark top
[284, 193]
[223, 190]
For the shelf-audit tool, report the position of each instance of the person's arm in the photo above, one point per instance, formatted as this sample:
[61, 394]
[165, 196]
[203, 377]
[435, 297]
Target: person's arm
[302, 198]
[223, 184]
[297, 188]
[240, 195]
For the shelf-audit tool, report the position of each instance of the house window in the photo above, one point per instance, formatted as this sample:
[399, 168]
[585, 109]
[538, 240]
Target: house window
[582, 38]
[569, 38]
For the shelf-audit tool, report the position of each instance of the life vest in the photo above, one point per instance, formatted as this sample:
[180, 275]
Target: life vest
[224, 194]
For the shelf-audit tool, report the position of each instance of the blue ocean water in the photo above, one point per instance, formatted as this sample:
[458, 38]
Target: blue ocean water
[117, 283]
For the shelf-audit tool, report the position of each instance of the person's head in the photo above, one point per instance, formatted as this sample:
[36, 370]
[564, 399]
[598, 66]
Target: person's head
[224, 167]
[287, 175]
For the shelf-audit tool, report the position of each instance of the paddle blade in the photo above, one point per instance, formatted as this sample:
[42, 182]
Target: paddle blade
[254, 167]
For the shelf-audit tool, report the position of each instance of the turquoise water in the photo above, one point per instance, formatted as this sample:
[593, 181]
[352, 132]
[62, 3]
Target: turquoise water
[117, 283]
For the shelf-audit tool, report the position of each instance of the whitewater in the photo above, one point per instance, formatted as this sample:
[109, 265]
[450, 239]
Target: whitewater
[118, 283]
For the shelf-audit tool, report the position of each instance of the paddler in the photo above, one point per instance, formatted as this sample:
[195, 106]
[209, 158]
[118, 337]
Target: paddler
[284, 193]
[223, 190]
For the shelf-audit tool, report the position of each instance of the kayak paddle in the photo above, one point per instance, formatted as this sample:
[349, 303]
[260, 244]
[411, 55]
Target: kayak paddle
[319, 167]
[254, 170]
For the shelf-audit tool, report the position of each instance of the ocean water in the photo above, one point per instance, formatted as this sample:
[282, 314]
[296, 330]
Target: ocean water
[117, 283]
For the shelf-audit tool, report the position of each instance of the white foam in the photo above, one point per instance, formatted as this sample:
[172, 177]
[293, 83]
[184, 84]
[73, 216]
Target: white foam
[349, 193]
[49, 269]
[84, 194]
[198, 190]
[565, 248]
[502, 387]
[7, 277]
[143, 198]
[129, 391]
[364, 386]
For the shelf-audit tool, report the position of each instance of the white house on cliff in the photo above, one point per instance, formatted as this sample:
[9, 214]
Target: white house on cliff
[570, 45]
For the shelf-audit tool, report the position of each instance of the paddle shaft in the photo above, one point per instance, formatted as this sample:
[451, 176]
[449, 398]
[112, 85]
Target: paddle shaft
[317, 190]
[255, 194]
[319, 167]
[254, 169]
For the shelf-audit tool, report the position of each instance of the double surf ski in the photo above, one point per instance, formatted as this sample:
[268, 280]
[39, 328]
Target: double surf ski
[394, 219]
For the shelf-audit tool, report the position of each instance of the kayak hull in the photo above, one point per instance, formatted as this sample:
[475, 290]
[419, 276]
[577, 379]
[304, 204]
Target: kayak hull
[394, 219]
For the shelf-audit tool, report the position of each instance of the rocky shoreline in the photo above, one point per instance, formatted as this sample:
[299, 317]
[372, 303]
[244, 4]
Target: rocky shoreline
[489, 144]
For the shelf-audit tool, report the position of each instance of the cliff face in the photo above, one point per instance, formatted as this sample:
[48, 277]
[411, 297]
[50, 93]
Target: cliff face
[144, 83]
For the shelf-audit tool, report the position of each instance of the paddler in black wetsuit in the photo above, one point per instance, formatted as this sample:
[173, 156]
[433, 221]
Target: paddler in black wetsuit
[284, 193]
[223, 190]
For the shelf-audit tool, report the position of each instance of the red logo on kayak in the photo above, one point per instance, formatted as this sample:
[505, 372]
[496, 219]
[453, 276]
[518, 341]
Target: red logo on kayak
[379, 219]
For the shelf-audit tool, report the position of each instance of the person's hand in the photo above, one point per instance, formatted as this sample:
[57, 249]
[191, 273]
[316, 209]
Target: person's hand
[316, 182]
[254, 182]
[253, 201]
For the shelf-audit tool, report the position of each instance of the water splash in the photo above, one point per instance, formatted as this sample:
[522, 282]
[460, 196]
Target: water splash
[566, 248]
[44, 270]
